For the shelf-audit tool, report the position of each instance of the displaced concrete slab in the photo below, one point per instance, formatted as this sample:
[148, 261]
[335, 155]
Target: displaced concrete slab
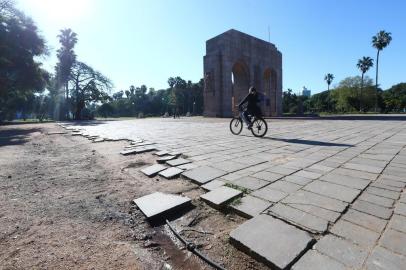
[160, 206]
[153, 170]
[204, 174]
[219, 197]
[313, 260]
[128, 152]
[271, 240]
[161, 153]
[187, 166]
[213, 185]
[178, 161]
[250, 206]
[170, 172]
[164, 159]
[98, 140]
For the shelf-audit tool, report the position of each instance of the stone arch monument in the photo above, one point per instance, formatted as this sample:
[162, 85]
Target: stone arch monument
[233, 62]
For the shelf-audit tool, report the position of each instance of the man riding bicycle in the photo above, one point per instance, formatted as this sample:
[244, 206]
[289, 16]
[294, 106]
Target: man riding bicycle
[252, 108]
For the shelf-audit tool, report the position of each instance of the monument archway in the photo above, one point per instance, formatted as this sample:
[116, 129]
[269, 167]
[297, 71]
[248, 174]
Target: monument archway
[234, 61]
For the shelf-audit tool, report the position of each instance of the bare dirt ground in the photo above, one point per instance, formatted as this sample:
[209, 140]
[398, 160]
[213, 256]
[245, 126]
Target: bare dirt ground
[66, 203]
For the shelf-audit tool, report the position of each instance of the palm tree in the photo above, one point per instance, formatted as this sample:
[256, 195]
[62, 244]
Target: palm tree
[329, 79]
[379, 42]
[364, 64]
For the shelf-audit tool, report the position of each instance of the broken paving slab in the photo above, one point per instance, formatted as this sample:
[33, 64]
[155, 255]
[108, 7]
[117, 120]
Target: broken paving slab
[164, 159]
[161, 153]
[219, 197]
[213, 185]
[187, 166]
[249, 206]
[160, 206]
[302, 219]
[153, 170]
[128, 152]
[170, 172]
[271, 241]
[177, 162]
[204, 174]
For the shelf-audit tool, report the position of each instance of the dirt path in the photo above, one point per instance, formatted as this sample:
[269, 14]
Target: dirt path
[65, 203]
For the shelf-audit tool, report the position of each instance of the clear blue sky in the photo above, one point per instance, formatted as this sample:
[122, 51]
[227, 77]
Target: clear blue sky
[138, 42]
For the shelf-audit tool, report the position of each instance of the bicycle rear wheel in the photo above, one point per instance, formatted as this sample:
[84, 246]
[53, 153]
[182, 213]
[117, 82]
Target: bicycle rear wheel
[236, 125]
[259, 127]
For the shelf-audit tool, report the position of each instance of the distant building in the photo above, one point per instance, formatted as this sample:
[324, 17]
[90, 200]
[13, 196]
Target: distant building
[306, 92]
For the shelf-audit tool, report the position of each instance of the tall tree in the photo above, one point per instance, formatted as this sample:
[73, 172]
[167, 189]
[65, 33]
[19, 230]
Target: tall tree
[66, 57]
[87, 86]
[329, 79]
[380, 41]
[364, 64]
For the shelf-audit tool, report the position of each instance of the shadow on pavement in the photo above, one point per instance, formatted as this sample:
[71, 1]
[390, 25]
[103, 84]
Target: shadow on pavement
[15, 136]
[309, 142]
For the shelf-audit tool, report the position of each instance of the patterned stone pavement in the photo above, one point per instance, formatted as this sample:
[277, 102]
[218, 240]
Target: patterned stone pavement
[337, 184]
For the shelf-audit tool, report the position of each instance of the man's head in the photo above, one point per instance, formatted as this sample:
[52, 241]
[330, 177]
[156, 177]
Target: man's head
[252, 90]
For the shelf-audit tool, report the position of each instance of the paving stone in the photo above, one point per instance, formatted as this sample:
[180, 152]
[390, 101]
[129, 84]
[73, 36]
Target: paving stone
[382, 201]
[177, 162]
[250, 206]
[342, 250]
[347, 181]
[170, 172]
[187, 166]
[143, 149]
[313, 260]
[213, 185]
[381, 185]
[383, 259]
[319, 168]
[400, 209]
[161, 153]
[318, 211]
[398, 223]
[307, 174]
[270, 240]
[251, 183]
[359, 235]
[365, 168]
[332, 190]
[302, 219]
[372, 209]
[158, 205]
[298, 180]
[308, 198]
[164, 159]
[98, 140]
[229, 166]
[269, 194]
[383, 192]
[153, 170]
[281, 170]
[204, 174]
[268, 176]
[365, 220]
[220, 196]
[392, 183]
[285, 186]
[394, 240]
[356, 174]
[128, 152]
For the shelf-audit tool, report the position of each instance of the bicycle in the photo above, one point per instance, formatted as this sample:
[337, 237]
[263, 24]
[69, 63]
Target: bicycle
[259, 125]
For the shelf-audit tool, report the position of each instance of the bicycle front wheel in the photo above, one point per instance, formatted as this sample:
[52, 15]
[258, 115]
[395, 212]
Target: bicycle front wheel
[236, 125]
[259, 127]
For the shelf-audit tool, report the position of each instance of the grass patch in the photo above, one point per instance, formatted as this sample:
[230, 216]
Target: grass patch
[243, 190]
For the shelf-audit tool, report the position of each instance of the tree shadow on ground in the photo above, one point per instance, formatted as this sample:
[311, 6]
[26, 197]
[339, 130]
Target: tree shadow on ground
[15, 136]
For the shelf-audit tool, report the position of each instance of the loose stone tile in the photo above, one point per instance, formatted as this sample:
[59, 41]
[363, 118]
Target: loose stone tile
[98, 140]
[372, 209]
[250, 183]
[298, 180]
[250, 206]
[128, 152]
[318, 211]
[302, 219]
[332, 190]
[365, 196]
[398, 223]
[285, 186]
[342, 250]
[271, 240]
[344, 180]
[158, 205]
[383, 259]
[170, 172]
[307, 174]
[143, 149]
[161, 153]
[355, 173]
[383, 192]
[368, 221]
[365, 168]
[394, 240]
[269, 194]
[400, 209]
[268, 176]
[188, 166]
[213, 185]
[219, 197]
[315, 261]
[164, 159]
[153, 170]
[308, 198]
[177, 162]
[204, 174]
[355, 233]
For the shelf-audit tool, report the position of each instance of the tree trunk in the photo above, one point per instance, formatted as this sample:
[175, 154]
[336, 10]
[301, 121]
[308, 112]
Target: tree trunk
[376, 81]
[360, 96]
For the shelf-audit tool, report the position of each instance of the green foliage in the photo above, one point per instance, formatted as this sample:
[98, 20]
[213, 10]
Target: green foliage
[381, 40]
[394, 99]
